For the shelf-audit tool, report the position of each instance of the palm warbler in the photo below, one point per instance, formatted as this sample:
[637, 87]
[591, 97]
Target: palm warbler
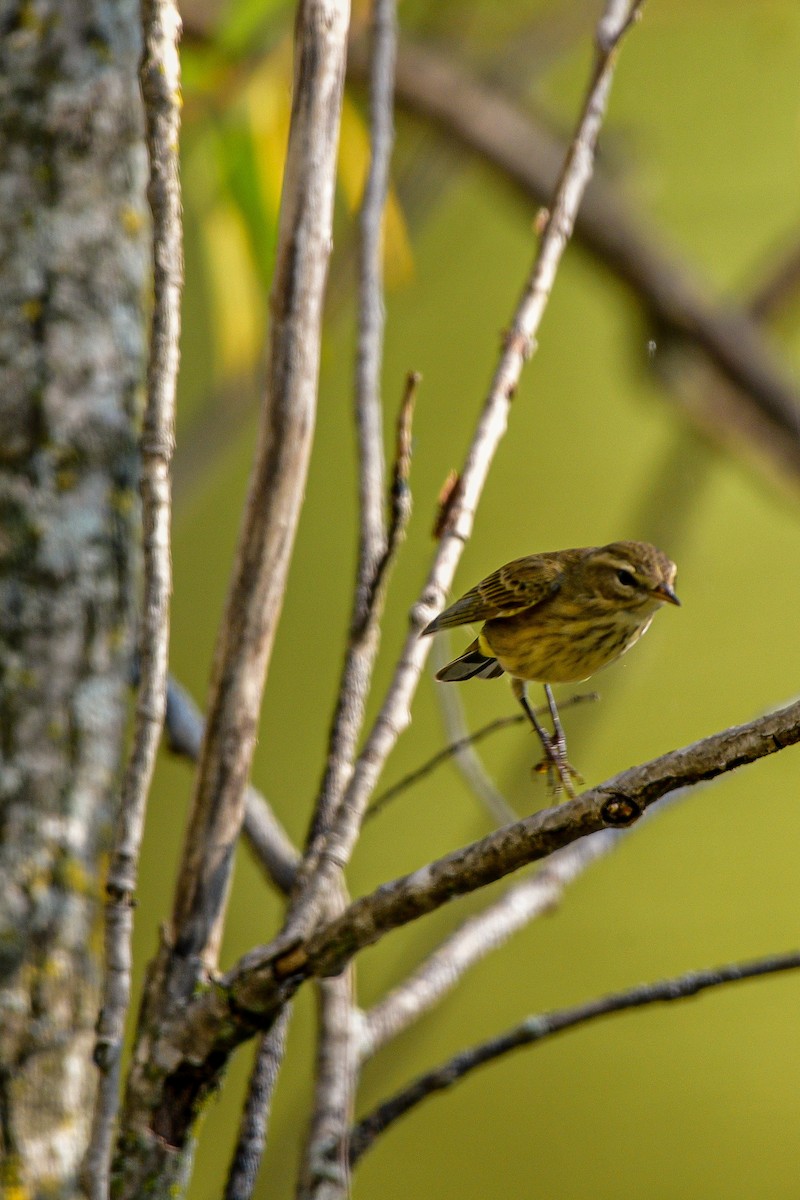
[558, 618]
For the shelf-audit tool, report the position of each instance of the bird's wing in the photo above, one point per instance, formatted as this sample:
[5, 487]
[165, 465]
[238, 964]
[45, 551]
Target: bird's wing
[518, 585]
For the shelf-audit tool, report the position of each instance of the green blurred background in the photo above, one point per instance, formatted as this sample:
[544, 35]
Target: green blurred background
[702, 139]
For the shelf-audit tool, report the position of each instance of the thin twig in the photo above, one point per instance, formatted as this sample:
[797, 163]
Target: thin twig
[252, 1137]
[454, 749]
[266, 837]
[337, 1056]
[468, 761]
[394, 714]
[544, 1025]
[158, 1130]
[780, 287]
[399, 491]
[160, 82]
[367, 600]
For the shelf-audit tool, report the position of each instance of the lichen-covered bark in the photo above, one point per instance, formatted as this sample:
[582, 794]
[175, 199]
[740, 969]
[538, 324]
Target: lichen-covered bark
[74, 262]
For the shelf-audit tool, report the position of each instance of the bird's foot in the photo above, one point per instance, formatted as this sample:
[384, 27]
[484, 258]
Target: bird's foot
[561, 775]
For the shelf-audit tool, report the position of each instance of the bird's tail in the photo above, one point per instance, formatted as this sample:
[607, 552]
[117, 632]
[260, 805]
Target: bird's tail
[472, 664]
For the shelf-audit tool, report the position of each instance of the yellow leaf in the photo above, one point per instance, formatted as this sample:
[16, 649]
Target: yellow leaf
[237, 301]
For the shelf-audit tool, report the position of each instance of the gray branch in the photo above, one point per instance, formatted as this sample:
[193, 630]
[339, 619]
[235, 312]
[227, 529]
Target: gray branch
[252, 1138]
[325, 1170]
[160, 80]
[266, 837]
[368, 598]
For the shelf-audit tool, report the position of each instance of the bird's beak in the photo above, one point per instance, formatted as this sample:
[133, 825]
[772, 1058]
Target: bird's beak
[665, 592]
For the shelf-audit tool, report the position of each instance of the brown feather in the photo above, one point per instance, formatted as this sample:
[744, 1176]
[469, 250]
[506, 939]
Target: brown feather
[511, 589]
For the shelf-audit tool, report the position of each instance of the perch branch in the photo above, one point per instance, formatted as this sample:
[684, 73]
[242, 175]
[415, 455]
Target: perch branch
[617, 803]
[249, 996]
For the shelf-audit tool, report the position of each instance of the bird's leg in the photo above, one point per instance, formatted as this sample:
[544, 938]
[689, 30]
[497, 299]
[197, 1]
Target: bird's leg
[560, 774]
[560, 742]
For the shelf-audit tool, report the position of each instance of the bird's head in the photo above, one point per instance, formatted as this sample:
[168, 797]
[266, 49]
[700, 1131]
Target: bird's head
[631, 576]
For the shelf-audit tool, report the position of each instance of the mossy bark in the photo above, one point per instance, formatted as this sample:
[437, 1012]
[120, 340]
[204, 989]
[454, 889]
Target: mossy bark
[74, 252]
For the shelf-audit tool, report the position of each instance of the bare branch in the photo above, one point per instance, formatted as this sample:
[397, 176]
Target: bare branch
[368, 600]
[323, 1177]
[530, 157]
[325, 1173]
[160, 82]
[265, 835]
[519, 345]
[538, 1028]
[158, 1124]
[277, 485]
[455, 748]
[249, 996]
[255, 1117]
[617, 803]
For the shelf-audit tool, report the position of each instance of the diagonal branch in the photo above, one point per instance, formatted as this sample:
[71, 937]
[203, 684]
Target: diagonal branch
[249, 996]
[277, 484]
[617, 803]
[160, 83]
[394, 715]
[544, 1025]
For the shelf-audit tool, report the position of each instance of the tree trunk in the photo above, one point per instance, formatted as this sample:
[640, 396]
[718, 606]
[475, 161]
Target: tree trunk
[74, 268]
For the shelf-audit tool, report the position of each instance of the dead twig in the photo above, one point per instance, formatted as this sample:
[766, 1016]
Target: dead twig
[545, 1025]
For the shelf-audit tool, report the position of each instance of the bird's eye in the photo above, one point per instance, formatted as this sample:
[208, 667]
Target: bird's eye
[626, 578]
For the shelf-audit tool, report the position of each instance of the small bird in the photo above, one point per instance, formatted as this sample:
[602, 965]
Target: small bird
[558, 618]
